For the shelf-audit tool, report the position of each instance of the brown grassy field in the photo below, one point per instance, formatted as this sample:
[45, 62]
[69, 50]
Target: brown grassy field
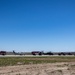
[9, 61]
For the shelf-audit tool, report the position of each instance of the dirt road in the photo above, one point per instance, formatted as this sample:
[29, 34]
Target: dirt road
[63, 68]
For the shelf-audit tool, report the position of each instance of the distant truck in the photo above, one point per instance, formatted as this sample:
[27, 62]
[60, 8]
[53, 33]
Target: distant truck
[48, 53]
[2, 52]
[37, 53]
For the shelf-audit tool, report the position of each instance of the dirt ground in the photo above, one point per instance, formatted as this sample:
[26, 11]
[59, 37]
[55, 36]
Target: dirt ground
[64, 68]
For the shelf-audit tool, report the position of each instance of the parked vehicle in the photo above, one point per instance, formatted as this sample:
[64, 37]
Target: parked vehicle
[62, 53]
[37, 53]
[2, 52]
[48, 53]
[69, 53]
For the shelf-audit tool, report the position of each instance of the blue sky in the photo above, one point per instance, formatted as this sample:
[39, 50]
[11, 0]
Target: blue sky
[28, 25]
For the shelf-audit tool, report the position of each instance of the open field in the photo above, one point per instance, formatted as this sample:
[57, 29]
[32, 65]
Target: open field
[37, 65]
[9, 61]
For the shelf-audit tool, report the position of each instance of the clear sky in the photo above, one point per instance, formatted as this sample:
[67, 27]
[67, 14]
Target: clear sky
[28, 25]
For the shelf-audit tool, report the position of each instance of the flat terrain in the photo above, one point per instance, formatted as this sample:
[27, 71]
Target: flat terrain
[53, 65]
[63, 68]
